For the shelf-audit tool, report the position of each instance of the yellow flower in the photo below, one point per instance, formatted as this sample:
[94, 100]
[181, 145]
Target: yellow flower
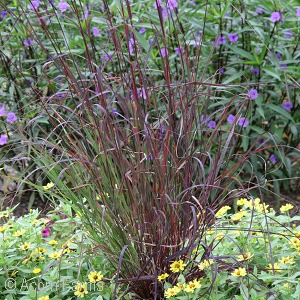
[245, 256]
[95, 276]
[2, 228]
[286, 208]
[25, 246]
[205, 264]
[55, 255]
[4, 214]
[220, 236]
[48, 186]
[41, 250]
[287, 260]
[177, 266]
[52, 242]
[295, 241]
[238, 215]
[36, 271]
[171, 292]
[191, 286]
[211, 231]
[222, 211]
[242, 201]
[240, 272]
[276, 268]
[263, 208]
[162, 277]
[81, 289]
[44, 298]
[19, 232]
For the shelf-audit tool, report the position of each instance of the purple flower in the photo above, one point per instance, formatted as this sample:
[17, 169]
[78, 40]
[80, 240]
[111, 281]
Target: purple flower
[227, 14]
[278, 54]
[287, 105]
[179, 50]
[114, 112]
[3, 140]
[233, 37]
[131, 45]
[252, 94]
[192, 3]
[2, 111]
[288, 34]
[221, 40]
[283, 66]
[261, 140]
[275, 16]
[107, 57]
[59, 95]
[28, 42]
[142, 93]
[164, 52]
[34, 4]
[243, 122]
[63, 6]
[255, 71]
[221, 70]
[51, 2]
[3, 14]
[259, 11]
[11, 117]
[273, 158]
[96, 31]
[298, 12]
[231, 119]
[142, 30]
[46, 232]
[172, 4]
[212, 124]
[157, 3]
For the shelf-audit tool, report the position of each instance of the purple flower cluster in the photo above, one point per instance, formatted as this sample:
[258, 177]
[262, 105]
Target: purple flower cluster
[252, 94]
[28, 42]
[34, 4]
[207, 120]
[10, 118]
[243, 122]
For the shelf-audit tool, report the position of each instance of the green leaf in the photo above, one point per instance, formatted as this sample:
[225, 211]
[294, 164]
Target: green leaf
[143, 42]
[234, 77]
[241, 52]
[280, 111]
[272, 73]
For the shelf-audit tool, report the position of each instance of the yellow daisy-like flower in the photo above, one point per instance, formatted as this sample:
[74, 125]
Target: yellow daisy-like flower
[171, 292]
[222, 211]
[220, 236]
[44, 298]
[25, 246]
[81, 289]
[52, 242]
[2, 228]
[19, 233]
[245, 256]
[95, 276]
[191, 286]
[238, 215]
[55, 255]
[240, 272]
[276, 268]
[211, 231]
[4, 214]
[49, 186]
[41, 250]
[287, 260]
[177, 266]
[242, 201]
[295, 242]
[262, 208]
[286, 208]
[162, 277]
[36, 271]
[205, 264]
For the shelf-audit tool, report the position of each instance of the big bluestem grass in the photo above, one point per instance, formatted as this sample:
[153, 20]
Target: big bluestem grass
[130, 147]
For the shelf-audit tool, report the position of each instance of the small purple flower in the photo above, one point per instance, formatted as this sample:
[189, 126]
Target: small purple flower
[231, 119]
[227, 14]
[212, 124]
[255, 71]
[164, 52]
[11, 117]
[252, 94]
[275, 16]
[157, 3]
[3, 14]
[283, 66]
[51, 2]
[221, 40]
[131, 45]
[95, 31]
[298, 12]
[107, 57]
[261, 140]
[179, 50]
[273, 158]
[3, 140]
[28, 42]
[142, 30]
[192, 3]
[278, 54]
[243, 122]
[59, 95]
[172, 4]
[142, 93]
[287, 105]
[34, 4]
[2, 111]
[259, 11]
[114, 112]
[46, 232]
[233, 37]
[63, 6]
[288, 34]
[221, 70]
